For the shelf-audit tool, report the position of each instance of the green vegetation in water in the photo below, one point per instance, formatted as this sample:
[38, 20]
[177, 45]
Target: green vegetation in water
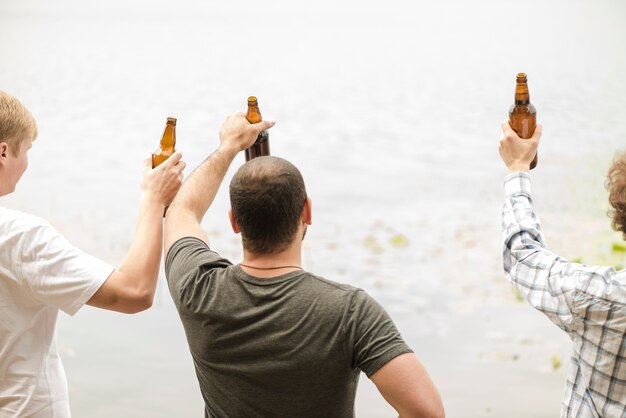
[396, 241]
[399, 240]
[607, 252]
[369, 240]
[618, 248]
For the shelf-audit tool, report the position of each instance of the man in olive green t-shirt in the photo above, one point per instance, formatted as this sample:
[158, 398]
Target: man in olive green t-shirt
[267, 338]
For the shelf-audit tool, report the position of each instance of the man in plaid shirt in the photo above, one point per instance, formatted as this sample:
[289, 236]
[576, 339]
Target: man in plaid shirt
[589, 303]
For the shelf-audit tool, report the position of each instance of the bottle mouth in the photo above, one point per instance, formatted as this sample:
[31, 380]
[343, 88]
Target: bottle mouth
[171, 121]
[252, 99]
[521, 77]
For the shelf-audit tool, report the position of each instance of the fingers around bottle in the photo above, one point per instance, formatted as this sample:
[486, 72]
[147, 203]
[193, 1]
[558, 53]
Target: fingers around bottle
[180, 166]
[537, 134]
[507, 130]
[147, 162]
[265, 124]
[236, 115]
[173, 159]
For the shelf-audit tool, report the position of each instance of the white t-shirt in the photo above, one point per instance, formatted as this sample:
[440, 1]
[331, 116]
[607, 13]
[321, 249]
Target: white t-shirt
[40, 273]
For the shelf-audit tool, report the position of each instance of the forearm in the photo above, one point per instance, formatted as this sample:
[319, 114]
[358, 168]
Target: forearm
[130, 288]
[541, 277]
[141, 266]
[198, 191]
[521, 229]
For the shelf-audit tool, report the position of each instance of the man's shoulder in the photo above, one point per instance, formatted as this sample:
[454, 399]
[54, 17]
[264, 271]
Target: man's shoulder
[15, 224]
[189, 254]
[17, 217]
[602, 284]
[330, 287]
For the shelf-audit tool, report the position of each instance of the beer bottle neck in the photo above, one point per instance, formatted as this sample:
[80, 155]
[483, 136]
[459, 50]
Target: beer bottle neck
[169, 136]
[254, 114]
[521, 94]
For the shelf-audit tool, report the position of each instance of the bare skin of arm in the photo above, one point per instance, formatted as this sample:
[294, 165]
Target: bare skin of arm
[131, 287]
[405, 384]
[198, 192]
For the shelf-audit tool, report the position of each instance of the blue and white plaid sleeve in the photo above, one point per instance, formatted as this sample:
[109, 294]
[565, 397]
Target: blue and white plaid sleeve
[544, 279]
[588, 302]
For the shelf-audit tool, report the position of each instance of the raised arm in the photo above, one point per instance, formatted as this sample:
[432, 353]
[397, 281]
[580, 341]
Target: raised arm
[130, 288]
[543, 278]
[197, 193]
[405, 384]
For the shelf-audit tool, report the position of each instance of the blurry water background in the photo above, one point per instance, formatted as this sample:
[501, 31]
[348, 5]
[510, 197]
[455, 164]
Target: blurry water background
[391, 110]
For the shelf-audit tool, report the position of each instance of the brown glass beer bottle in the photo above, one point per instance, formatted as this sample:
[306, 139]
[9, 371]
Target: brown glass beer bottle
[168, 143]
[261, 146]
[522, 114]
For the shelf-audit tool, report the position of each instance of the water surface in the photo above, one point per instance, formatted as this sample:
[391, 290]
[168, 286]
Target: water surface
[392, 112]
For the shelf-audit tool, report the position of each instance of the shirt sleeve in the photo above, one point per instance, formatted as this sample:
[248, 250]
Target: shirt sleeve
[57, 273]
[544, 279]
[186, 266]
[373, 336]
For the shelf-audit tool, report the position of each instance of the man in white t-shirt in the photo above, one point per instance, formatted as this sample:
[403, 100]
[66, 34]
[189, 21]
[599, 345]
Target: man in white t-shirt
[42, 273]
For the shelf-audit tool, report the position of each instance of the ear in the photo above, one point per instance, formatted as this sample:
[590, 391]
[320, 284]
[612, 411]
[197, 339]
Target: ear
[233, 222]
[307, 212]
[4, 151]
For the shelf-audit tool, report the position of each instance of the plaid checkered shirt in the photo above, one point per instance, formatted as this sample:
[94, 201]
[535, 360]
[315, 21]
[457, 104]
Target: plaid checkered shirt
[589, 303]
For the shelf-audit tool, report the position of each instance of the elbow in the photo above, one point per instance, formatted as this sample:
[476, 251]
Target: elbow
[439, 412]
[435, 411]
[140, 302]
[144, 301]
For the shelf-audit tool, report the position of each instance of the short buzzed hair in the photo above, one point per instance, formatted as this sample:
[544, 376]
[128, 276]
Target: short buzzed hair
[16, 122]
[267, 196]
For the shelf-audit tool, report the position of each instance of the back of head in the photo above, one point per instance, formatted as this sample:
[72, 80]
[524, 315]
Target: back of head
[16, 122]
[267, 196]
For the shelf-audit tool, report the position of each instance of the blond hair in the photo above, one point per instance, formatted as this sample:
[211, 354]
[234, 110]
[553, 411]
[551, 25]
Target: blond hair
[16, 122]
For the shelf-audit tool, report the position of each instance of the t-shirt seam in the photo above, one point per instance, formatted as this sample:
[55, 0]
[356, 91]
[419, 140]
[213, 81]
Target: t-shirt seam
[401, 347]
[265, 282]
[40, 223]
[349, 289]
[349, 349]
[168, 262]
[168, 259]
[34, 273]
[87, 294]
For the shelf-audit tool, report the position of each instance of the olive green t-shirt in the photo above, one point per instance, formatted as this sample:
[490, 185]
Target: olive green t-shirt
[288, 346]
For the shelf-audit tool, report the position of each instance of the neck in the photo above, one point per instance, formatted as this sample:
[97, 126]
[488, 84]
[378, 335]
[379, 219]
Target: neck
[272, 265]
[3, 190]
